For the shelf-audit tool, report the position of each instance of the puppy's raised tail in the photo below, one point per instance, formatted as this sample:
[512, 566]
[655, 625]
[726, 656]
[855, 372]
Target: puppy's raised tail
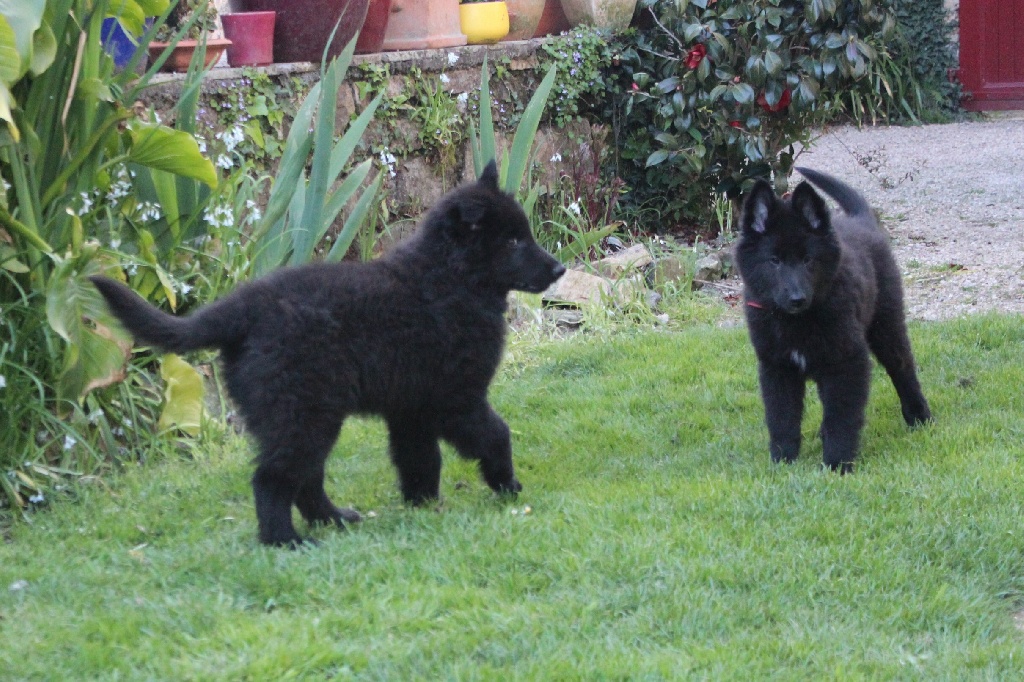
[849, 199]
[213, 326]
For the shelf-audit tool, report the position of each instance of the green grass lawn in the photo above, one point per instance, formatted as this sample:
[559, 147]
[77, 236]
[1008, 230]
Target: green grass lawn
[653, 540]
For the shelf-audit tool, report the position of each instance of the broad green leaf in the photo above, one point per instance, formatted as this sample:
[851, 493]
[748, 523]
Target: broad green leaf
[10, 59]
[292, 164]
[44, 50]
[6, 100]
[657, 157]
[488, 149]
[522, 142]
[346, 145]
[23, 17]
[355, 220]
[95, 355]
[174, 151]
[346, 190]
[9, 260]
[183, 395]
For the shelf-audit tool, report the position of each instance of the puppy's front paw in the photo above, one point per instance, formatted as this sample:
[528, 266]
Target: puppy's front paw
[511, 487]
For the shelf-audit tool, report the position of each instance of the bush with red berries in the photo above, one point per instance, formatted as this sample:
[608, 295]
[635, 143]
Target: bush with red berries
[720, 91]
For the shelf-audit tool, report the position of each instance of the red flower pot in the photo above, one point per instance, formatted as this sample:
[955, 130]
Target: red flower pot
[371, 37]
[303, 27]
[252, 38]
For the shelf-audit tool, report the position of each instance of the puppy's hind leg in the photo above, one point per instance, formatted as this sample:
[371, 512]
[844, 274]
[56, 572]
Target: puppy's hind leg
[482, 435]
[291, 471]
[891, 345]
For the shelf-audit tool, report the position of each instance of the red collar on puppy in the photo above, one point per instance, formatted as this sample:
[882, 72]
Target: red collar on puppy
[755, 304]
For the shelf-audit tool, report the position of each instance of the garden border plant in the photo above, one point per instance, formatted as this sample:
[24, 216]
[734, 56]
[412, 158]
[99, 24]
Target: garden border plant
[718, 94]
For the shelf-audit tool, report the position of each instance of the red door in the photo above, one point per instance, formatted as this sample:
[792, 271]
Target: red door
[992, 54]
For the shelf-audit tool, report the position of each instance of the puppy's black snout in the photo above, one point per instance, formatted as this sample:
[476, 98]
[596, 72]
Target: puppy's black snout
[557, 271]
[797, 301]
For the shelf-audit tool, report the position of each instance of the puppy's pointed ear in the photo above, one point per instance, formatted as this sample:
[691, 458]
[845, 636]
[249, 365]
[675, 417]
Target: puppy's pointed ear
[489, 176]
[760, 199]
[467, 215]
[811, 207]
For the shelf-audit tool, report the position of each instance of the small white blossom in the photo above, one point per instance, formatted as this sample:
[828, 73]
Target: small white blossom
[6, 185]
[444, 79]
[150, 211]
[185, 288]
[557, 158]
[231, 138]
[453, 59]
[114, 242]
[86, 204]
[95, 416]
[37, 498]
[3, 381]
[224, 161]
[219, 216]
[18, 585]
[254, 212]
[574, 208]
[388, 159]
[202, 146]
[461, 101]
[69, 442]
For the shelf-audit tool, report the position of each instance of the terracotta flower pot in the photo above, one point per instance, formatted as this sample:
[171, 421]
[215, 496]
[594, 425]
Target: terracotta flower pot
[303, 27]
[371, 37]
[611, 14]
[422, 24]
[523, 18]
[484, 23]
[552, 20]
[181, 55]
[252, 37]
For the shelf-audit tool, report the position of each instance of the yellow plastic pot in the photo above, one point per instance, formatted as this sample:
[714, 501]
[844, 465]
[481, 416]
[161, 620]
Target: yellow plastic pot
[484, 22]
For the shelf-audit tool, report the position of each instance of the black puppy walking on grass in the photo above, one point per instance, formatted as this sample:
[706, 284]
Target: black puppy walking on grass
[415, 337]
[821, 292]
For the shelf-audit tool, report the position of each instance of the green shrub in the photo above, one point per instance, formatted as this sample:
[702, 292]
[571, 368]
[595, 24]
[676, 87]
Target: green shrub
[926, 45]
[719, 92]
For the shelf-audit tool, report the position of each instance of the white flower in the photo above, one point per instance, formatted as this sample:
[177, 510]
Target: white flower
[574, 207]
[6, 184]
[453, 59]
[69, 442]
[388, 159]
[231, 138]
[557, 158]
[444, 78]
[37, 498]
[3, 381]
[185, 288]
[461, 101]
[224, 161]
[219, 216]
[150, 211]
[114, 242]
[95, 415]
[202, 146]
[86, 204]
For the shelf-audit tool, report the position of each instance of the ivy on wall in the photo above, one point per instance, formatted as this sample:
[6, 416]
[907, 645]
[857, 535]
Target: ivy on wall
[927, 44]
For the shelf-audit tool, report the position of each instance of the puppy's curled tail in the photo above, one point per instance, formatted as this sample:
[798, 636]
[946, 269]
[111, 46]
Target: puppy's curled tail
[210, 327]
[849, 199]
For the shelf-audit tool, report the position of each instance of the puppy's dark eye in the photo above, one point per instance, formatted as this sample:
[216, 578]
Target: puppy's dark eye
[775, 260]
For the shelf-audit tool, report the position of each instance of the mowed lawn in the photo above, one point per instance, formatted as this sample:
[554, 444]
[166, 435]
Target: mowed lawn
[653, 540]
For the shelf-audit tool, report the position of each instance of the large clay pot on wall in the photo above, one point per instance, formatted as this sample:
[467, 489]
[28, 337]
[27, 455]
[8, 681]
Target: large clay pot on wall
[303, 27]
[610, 14]
[523, 18]
[422, 24]
[371, 38]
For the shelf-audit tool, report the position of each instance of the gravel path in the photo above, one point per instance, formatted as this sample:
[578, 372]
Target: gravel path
[952, 196]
